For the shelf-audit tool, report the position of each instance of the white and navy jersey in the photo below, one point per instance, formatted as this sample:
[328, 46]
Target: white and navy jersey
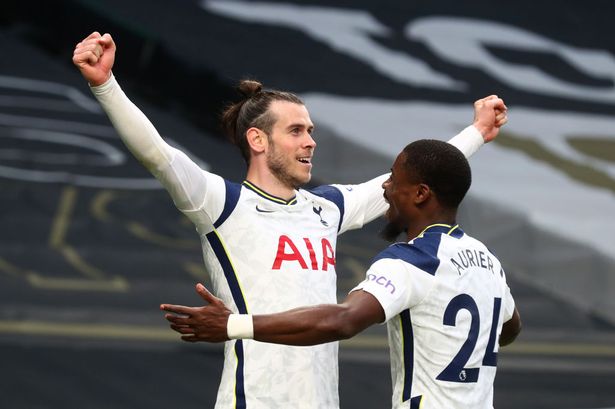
[445, 298]
[264, 255]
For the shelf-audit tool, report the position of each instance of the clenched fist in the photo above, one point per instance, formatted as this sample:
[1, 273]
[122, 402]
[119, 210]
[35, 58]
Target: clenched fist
[94, 56]
[490, 113]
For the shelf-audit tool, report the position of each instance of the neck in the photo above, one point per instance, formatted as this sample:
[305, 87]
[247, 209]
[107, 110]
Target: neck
[268, 182]
[441, 216]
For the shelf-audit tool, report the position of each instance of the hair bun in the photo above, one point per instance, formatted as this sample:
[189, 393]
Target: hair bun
[248, 88]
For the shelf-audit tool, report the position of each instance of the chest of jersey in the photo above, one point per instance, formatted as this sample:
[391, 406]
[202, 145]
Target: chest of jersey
[300, 237]
[286, 252]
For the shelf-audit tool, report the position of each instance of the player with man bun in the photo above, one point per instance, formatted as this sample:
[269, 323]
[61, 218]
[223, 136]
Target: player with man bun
[268, 245]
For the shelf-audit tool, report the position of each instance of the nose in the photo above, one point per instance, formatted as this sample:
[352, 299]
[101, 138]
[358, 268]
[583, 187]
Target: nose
[309, 141]
[386, 182]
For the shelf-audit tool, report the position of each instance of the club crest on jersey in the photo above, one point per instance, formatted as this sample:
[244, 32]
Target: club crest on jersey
[318, 211]
[288, 252]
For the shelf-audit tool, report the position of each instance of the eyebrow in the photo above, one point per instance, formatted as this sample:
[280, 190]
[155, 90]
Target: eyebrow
[299, 125]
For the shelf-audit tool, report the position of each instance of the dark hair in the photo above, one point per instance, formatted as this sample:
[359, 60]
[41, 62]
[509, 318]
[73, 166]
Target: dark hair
[442, 167]
[252, 111]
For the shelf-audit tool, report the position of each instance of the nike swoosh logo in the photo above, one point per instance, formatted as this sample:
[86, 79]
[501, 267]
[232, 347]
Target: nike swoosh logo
[264, 211]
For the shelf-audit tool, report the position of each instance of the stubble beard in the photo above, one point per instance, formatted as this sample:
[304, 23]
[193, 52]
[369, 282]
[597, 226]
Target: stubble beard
[279, 168]
[390, 232]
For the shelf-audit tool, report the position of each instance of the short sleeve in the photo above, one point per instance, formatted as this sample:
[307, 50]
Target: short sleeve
[508, 301]
[396, 285]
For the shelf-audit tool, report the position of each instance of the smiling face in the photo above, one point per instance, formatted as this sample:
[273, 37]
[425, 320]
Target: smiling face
[290, 147]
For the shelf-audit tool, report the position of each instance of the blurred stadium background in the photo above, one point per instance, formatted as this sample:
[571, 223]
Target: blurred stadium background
[90, 244]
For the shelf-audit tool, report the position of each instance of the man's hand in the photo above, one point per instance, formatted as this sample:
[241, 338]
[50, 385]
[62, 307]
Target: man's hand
[94, 56]
[489, 116]
[207, 323]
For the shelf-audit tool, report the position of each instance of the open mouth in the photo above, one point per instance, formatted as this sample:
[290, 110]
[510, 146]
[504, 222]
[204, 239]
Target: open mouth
[306, 160]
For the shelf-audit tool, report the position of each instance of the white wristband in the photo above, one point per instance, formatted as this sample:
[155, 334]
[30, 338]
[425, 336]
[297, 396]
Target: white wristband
[240, 326]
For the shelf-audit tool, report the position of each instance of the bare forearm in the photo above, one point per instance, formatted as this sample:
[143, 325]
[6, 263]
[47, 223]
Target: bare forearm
[305, 326]
[302, 326]
[511, 329]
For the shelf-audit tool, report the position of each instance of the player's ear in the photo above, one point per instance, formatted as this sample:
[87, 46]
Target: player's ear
[422, 193]
[257, 139]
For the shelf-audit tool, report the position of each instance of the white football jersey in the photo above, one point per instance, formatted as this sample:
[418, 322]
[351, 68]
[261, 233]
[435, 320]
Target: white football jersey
[445, 298]
[264, 255]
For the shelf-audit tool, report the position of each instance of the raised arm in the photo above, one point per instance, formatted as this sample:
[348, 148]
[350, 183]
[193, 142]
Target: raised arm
[183, 179]
[301, 326]
[365, 202]
[95, 56]
[490, 114]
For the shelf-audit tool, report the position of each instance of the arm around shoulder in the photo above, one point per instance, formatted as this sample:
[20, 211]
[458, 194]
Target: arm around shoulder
[321, 323]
